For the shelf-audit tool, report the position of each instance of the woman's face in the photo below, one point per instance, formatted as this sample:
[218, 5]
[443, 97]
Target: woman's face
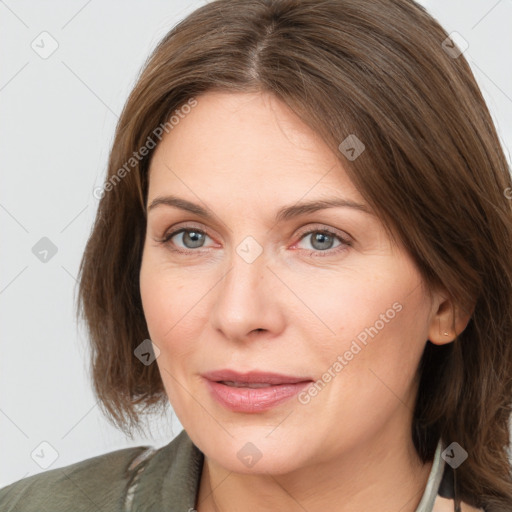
[247, 289]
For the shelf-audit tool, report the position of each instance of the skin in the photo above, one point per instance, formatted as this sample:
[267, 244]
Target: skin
[292, 310]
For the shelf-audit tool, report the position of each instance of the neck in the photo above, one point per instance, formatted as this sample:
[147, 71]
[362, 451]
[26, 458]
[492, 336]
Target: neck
[382, 475]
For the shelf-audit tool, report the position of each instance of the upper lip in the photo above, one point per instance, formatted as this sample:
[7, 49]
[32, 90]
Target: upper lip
[254, 376]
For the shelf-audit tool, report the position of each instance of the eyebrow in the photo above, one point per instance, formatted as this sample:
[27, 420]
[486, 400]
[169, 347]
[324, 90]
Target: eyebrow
[285, 213]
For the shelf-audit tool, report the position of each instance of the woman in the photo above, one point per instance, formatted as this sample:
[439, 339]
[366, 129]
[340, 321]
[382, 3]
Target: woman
[302, 245]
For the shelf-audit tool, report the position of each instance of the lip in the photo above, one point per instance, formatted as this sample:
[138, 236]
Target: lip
[253, 400]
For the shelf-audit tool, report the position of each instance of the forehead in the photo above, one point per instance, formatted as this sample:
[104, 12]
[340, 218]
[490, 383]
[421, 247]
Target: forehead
[251, 141]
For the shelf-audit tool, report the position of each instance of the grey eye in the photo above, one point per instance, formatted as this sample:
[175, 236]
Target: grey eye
[192, 238]
[321, 241]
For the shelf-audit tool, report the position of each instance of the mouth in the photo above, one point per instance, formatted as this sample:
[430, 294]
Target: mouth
[252, 385]
[248, 379]
[253, 392]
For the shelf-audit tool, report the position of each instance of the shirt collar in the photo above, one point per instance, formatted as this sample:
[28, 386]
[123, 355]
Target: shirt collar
[434, 481]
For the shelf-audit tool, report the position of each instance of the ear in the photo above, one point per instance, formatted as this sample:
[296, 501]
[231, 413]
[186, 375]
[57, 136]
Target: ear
[447, 320]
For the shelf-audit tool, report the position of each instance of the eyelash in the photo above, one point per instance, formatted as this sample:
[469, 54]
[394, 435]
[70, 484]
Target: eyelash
[345, 243]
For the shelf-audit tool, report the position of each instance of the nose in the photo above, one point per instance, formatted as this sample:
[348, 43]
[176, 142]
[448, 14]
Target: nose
[248, 300]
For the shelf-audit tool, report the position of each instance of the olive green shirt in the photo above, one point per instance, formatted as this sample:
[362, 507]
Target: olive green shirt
[146, 479]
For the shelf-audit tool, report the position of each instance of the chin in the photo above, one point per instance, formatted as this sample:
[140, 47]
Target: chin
[255, 454]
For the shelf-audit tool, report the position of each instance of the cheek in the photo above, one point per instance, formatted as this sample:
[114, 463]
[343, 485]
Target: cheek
[154, 291]
[156, 300]
[174, 316]
[171, 303]
[366, 369]
[371, 324]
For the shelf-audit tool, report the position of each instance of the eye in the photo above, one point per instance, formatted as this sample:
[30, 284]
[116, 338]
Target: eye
[322, 241]
[187, 239]
[191, 238]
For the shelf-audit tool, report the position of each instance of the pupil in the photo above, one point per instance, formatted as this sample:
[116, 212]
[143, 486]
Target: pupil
[322, 237]
[191, 235]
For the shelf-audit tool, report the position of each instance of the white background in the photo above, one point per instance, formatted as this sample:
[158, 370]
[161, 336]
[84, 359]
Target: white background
[57, 121]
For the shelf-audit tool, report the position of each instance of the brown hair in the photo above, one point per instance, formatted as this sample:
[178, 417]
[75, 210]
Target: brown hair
[433, 169]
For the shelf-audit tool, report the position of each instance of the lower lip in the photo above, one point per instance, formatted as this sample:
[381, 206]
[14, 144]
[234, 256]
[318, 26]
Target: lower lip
[253, 399]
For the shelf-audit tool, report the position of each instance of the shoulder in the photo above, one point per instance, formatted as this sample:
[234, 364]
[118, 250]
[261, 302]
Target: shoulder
[92, 484]
[141, 478]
